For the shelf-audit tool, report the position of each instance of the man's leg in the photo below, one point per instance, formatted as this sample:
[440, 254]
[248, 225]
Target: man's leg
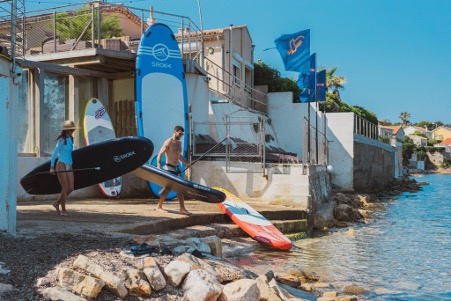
[183, 210]
[163, 195]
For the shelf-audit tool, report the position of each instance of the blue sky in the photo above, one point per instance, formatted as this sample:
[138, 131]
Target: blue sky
[395, 54]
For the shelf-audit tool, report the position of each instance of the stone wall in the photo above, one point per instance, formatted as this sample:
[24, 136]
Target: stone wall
[374, 166]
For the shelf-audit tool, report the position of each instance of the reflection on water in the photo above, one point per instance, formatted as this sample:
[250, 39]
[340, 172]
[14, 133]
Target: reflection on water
[403, 254]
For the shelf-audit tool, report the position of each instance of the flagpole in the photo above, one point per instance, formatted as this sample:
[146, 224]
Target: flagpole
[316, 112]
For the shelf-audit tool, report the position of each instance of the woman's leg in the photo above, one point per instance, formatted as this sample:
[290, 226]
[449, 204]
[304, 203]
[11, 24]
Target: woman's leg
[65, 187]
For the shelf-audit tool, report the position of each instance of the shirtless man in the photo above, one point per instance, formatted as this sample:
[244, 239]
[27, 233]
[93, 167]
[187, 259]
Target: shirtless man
[173, 150]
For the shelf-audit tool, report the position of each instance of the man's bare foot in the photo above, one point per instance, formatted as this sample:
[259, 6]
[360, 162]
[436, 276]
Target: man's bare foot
[64, 213]
[161, 210]
[185, 212]
[57, 207]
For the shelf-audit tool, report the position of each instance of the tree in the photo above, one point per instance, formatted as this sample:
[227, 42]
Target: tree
[266, 75]
[334, 82]
[404, 116]
[72, 25]
[408, 148]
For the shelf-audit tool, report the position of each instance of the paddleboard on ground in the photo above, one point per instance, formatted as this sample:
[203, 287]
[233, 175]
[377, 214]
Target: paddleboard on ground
[93, 164]
[252, 222]
[161, 97]
[97, 127]
[191, 189]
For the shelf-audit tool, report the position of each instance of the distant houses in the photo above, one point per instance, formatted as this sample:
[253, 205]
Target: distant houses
[441, 133]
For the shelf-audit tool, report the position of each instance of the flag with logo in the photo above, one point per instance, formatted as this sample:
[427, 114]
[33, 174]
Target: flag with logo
[307, 81]
[295, 50]
[321, 85]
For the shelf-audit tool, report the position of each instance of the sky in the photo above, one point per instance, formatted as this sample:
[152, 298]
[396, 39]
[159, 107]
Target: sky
[394, 54]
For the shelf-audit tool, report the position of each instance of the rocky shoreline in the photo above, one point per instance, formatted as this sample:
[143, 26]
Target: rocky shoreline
[109, 272]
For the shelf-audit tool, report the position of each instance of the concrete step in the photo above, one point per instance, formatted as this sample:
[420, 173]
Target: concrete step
[163, 225]
[231, 230]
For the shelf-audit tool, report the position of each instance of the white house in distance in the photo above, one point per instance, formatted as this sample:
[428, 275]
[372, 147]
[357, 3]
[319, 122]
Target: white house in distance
[411, 129]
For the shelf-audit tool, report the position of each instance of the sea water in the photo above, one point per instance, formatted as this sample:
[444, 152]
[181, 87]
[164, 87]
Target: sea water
[404, 253]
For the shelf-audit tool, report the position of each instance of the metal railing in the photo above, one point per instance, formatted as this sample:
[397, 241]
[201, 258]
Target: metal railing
[365, 128]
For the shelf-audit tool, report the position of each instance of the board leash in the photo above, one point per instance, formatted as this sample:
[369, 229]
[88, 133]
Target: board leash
[74, 170]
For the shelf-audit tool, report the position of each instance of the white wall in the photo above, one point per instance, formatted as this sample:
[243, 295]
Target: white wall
[287, 119]
[8, 149]
[340, 134]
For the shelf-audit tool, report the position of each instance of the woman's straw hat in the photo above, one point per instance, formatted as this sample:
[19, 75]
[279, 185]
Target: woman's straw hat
[69, 125]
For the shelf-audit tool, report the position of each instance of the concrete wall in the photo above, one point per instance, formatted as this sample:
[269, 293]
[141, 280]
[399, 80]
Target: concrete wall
[341, 148]
[374, 164]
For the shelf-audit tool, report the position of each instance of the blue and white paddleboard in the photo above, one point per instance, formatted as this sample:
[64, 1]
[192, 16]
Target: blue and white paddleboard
[161, 97]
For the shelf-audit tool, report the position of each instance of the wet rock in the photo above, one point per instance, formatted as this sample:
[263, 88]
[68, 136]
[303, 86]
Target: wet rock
[346, 213]
[354, 289]
[288, 279]
[214, 243]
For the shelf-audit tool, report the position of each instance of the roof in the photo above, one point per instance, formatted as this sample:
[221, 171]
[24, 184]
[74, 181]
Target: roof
[447, 141]
[442, 127]
[394, 128]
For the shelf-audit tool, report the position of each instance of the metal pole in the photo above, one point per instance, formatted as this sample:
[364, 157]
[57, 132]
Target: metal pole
[99, 24]
[92, 27]
[54, 32]
[202, 35]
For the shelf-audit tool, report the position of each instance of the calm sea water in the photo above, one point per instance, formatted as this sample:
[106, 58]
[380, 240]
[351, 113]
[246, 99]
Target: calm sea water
[404, 253]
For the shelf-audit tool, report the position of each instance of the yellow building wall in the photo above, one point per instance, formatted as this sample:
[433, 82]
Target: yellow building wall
[441, 134]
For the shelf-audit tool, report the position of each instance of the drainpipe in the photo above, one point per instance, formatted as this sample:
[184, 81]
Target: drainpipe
[230, 59]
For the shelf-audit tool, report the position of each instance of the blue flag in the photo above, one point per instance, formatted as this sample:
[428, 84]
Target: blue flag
[295, 50]
[307, 81]
[321, 85]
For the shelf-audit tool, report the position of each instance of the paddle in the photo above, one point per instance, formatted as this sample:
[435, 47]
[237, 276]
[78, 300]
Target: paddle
[209, 150]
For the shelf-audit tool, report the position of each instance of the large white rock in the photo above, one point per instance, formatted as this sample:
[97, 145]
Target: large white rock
[57, 293]
[176, 271]
[137, 283]
[199, 285]
[197, 263]
[79, 283]
[112, 282]
[240, 290]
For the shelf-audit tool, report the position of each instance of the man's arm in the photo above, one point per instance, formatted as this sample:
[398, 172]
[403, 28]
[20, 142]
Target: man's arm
[184, 161]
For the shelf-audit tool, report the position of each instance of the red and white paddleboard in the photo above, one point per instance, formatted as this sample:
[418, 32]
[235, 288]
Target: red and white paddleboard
[97, 127]
[252, 222]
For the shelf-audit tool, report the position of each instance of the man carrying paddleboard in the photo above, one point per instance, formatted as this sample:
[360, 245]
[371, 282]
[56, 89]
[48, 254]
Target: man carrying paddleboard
[172, 148]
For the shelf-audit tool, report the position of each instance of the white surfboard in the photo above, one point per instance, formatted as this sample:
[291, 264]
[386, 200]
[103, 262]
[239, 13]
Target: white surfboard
[97, 127]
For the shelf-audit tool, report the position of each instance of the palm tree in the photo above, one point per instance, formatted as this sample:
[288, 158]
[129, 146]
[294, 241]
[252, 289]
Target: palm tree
[334, 82]
[404, 116]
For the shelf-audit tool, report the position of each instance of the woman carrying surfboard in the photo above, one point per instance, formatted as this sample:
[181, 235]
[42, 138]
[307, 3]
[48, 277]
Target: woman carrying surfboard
[64, 170]
[172, 147]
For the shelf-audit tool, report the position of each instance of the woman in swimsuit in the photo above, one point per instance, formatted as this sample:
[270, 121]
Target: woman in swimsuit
[63, 168]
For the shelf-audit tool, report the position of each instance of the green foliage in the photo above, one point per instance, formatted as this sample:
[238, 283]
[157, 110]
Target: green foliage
[71, 26]
[446, 163]
[266, 75]
[433, 149]
[418, 133]
[408, 148]
[432, 141]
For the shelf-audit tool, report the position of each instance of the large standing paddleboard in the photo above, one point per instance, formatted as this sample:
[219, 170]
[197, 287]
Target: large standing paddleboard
[188, 188]
[252, 222]
[93, 164]
[161, 97]
[97, 127]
